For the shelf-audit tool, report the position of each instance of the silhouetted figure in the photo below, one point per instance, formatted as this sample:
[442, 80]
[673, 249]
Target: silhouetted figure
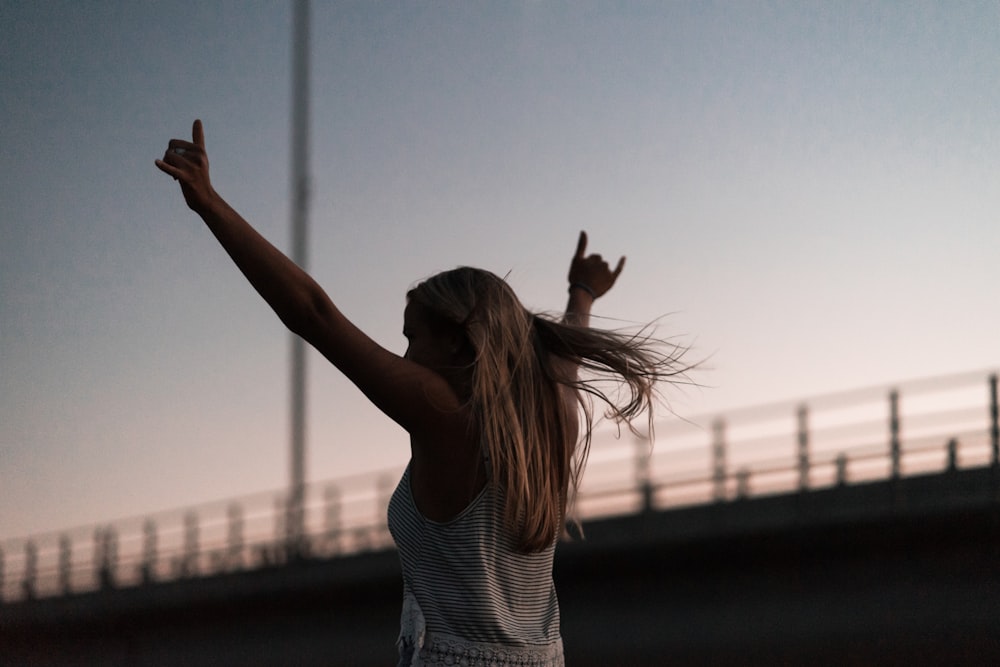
[491, 398]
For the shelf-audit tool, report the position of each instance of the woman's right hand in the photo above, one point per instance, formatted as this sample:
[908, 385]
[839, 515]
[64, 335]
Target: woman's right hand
[187, 162]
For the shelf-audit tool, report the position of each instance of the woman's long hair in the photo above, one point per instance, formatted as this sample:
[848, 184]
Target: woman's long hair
[524, 369]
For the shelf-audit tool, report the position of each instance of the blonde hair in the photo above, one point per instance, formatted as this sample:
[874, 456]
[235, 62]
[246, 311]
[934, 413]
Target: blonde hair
[520, 362]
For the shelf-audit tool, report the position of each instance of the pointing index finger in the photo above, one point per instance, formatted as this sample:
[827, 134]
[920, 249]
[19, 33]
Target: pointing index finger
[581, 245]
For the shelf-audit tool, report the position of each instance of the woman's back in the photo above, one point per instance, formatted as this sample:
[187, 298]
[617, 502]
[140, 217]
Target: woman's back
[469, 593]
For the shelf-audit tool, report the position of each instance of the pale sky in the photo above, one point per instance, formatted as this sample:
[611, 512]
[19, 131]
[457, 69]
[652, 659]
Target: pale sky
[807, 191]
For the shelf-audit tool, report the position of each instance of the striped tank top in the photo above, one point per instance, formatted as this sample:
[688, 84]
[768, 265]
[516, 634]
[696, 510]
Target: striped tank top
[469, 597]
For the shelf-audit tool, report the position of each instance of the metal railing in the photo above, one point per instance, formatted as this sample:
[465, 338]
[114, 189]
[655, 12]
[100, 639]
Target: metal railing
[917, 427]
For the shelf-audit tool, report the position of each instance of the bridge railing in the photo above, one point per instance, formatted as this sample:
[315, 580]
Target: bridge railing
[918, 427]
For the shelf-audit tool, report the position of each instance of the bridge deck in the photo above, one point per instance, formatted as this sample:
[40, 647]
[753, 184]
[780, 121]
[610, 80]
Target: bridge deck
[888, 571]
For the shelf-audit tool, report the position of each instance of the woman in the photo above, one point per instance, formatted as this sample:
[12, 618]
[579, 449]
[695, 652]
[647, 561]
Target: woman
[490, 397]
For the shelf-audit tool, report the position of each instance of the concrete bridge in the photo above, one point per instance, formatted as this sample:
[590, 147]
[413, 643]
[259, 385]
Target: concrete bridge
[817, 561]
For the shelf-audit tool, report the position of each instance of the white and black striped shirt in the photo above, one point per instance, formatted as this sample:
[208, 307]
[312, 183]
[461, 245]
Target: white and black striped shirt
[469, 581]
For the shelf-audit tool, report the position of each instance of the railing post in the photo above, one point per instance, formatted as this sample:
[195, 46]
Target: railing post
[98, 544]
[29, 583]
[296, 538]
[952, 455]
[719, 459]
[385, 488]
[148, 567]
[841, 465]
[106, 552]
[743, 483]
[65, 564]
[234, 536]
[189, 561]
[895, 453]
[280, 528]
[643, 472]
[331, 517]
[994, 425]
[803, 422]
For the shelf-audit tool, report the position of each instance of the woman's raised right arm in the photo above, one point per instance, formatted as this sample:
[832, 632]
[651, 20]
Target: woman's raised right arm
[402, 389]
[291, 292]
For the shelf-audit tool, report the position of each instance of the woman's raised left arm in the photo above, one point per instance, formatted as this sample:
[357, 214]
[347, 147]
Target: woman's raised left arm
[590, 277]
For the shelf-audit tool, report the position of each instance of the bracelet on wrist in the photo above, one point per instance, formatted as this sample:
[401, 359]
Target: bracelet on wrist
[585, 288]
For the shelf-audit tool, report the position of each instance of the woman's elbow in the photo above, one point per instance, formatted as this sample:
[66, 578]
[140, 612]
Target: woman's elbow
[307, 315]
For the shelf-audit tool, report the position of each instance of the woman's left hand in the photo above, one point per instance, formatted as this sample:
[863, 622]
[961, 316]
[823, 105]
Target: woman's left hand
[187, 162]
[592, 271]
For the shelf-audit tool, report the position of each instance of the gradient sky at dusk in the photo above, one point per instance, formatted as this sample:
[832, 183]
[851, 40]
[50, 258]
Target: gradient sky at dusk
[808, 191]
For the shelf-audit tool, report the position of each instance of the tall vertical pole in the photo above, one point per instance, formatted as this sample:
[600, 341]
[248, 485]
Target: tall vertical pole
[300, 209]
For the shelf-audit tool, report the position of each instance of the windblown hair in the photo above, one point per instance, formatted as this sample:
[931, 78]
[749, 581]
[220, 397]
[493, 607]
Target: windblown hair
[521, 361]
